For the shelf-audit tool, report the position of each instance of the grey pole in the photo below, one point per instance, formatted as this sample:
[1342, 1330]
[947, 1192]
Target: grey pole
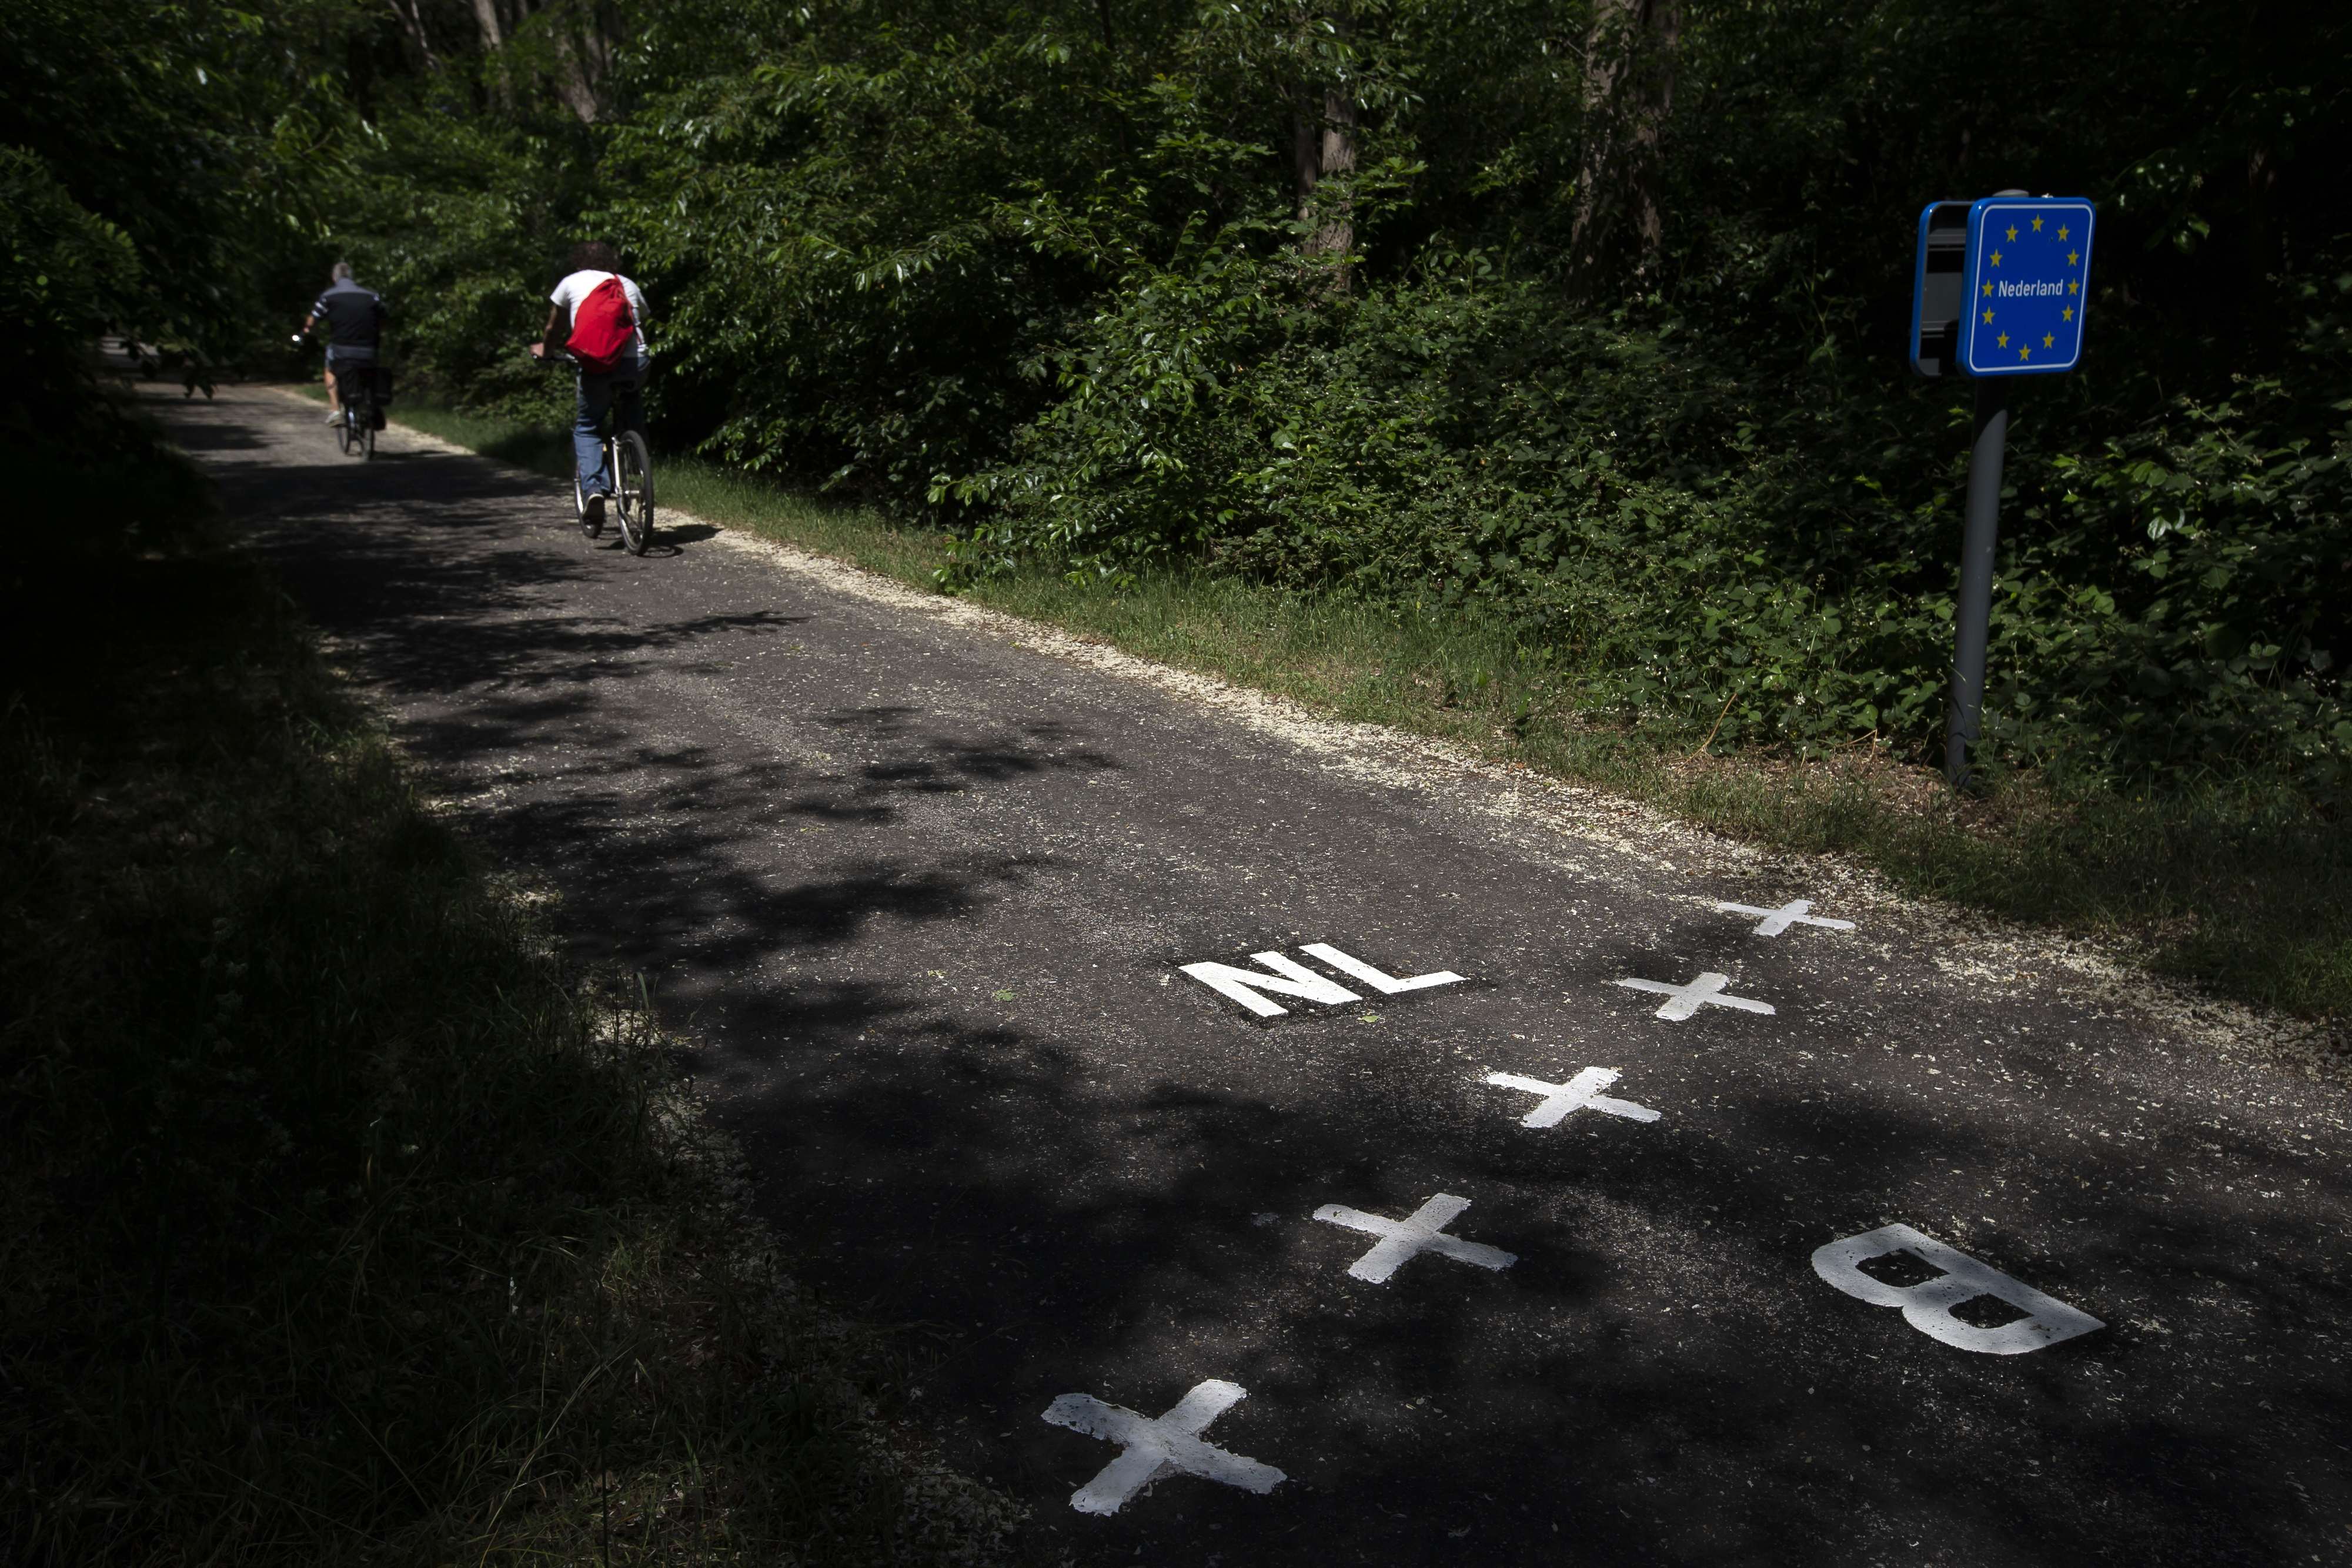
[1972, 614]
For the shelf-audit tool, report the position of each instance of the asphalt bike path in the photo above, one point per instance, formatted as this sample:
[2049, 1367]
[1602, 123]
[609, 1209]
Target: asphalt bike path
[1287, 1141]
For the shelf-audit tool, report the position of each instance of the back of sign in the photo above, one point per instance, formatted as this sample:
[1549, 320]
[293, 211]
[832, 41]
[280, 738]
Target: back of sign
[1939, 289]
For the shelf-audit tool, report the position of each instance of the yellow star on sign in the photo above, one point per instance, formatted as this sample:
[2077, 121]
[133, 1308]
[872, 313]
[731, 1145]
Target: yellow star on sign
[1988, 291]
[2049, 340]
[2071, 286]
[2073, 256]
[2067, 314]
[1987, 318]
[2002, 339]
[2024, 354]
[1996, 259]
[2037, 225]
[2012, 233]
[2063, 231]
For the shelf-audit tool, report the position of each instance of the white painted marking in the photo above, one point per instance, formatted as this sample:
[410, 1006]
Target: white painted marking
[1776, 921]
[1423, 1231]
[1150, 1448]
[1927, 1306]
[1706, 991]
[1387, 985]
[1244, 985]
[1576, 1095]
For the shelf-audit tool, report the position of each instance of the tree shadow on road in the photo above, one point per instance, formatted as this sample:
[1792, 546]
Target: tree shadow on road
[1055, 1205]
[1662, 1374]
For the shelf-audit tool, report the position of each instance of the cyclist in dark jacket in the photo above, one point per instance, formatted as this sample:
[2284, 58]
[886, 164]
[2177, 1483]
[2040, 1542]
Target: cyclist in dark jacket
[354, 319]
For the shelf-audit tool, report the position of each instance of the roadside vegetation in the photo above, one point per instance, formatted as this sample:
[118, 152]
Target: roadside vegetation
[1585, 323]
[2242, 884]
[1537, 370]
[1529, 375]
[347, 1224]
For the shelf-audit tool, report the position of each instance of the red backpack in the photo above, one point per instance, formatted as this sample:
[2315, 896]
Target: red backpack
[603, 327]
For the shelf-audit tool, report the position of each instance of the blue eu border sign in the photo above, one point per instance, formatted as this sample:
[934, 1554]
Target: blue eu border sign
[2029, 269]
[1997, 290]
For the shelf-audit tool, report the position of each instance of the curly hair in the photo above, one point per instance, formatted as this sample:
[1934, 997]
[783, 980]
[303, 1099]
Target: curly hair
[593, 256]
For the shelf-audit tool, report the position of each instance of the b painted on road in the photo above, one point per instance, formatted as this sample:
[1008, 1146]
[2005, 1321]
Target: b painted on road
[1928, 1305]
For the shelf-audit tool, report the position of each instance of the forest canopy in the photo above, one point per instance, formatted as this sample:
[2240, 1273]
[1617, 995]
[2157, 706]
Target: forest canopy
[1585, 317]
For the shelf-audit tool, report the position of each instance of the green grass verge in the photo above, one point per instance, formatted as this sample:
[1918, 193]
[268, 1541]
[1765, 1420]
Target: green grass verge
[2242, 886]
[345, 1224]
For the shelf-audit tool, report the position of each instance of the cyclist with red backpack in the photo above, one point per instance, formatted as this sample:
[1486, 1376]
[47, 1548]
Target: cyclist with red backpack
[603, 315]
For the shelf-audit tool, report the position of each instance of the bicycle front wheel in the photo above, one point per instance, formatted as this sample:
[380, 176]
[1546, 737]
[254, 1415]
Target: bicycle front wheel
[633, 490]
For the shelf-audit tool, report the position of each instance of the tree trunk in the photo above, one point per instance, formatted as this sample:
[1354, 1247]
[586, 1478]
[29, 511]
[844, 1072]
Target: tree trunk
[589, 36]
[586, 51]
[490, 33]
[1306, 155]
[490, 25]
[572, 54]
[1323, 145]
[1337, 231]
[411, 19]
[2261, 337]
[1628, 93]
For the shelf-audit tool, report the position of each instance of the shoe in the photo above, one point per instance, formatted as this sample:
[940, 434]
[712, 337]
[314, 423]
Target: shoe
[333, 419]
[591, 519]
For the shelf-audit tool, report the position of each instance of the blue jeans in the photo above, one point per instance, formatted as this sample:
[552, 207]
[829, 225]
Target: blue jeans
[616, 390]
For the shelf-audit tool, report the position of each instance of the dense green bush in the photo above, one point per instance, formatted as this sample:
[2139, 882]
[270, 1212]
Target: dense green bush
[69, 272]
[1043, 276]
[844, 301]
[459, 222]
[1690, 534]
[209, 137]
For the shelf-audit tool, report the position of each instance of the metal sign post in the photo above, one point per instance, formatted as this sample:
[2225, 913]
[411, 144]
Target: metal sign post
[1997, 291]
[1973, 610]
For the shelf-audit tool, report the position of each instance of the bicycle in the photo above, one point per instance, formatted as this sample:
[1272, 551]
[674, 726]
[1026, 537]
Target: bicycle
[355, 432]
[356, 424]
[632, 470]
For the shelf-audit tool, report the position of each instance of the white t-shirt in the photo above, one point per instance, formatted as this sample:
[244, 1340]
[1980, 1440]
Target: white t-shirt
[580, 285]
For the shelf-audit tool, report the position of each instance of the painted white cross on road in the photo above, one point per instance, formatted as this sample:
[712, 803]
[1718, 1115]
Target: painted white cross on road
[1706, 991]
[1795, 913]
[1576, 1095]
[1422, 1230]
[1149, 1448]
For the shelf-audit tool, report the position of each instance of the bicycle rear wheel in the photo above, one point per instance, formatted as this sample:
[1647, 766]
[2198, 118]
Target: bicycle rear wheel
[633, 490]
[343, 432]
[364, 437]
